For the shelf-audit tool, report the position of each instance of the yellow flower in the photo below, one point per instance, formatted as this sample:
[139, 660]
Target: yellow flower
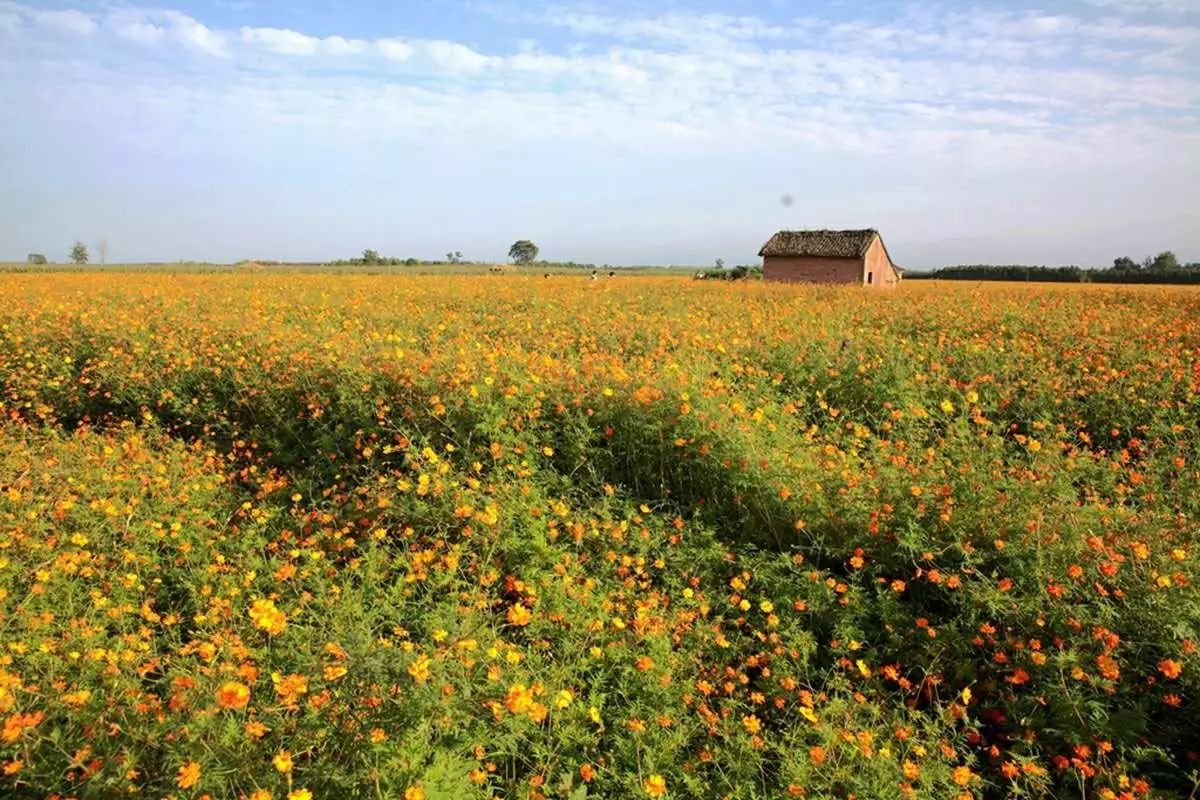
[267, 617]
[655, 786]
[519, 699]
[564, 698]
[189, 775]
[419, 669]
[414, 792]
[300, 794]
[282, 761]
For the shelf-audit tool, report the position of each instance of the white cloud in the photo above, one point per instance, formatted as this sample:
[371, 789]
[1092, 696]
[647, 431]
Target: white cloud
[921, 84]
[341, 46]
[457, 57]
[280, 41]
[394, 49]
[196, 35]
[141, 32]
[69, 22]
[1142, 6]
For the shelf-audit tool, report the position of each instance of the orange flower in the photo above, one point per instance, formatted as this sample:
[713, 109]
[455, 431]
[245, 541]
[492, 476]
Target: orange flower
[189, 775]
[588, 773]
[519, 615]
[289, 687]
[233, 695]
[655, 786]
[1170, 668]
[962, 775]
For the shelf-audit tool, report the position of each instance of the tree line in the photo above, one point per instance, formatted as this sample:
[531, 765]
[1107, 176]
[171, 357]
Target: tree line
[1162, 268]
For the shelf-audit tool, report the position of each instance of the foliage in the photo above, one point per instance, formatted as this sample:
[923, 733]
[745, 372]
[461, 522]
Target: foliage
[738, 273]
[364, 536]
[1163, 268]
[79, 253]
[35, 258]
[523, 251]
[371, 258]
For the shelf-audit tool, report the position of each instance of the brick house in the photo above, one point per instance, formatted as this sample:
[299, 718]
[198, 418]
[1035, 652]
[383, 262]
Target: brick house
[855, 257]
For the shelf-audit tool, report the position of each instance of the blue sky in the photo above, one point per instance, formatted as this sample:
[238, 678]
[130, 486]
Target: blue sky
[618, 132]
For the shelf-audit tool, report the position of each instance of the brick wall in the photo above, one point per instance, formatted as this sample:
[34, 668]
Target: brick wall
[879, 266]
[813, 270]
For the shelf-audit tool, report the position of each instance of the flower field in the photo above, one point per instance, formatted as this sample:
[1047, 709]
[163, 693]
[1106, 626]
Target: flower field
[308, 537]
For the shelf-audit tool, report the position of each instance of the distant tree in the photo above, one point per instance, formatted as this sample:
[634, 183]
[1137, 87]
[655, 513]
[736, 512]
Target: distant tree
[102, 250]
[523, 251]
[1164, 262]
[720, 262]
[1124, 262]
[370, 257]
[454, 256]
[36, 258]
[79, 253]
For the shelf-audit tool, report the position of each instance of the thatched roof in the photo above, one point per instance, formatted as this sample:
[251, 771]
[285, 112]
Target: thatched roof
[820, 244]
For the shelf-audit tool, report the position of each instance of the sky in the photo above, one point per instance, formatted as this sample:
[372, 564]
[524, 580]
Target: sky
[615, 132]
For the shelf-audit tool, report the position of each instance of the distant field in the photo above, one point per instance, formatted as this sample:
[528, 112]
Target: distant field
[381, 536]
[420, 269]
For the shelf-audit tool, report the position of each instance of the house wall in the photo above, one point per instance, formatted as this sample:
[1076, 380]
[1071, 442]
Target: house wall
[813, 270]
[878, 263]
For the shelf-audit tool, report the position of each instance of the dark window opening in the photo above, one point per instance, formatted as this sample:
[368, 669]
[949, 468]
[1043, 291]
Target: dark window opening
[870, 278]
